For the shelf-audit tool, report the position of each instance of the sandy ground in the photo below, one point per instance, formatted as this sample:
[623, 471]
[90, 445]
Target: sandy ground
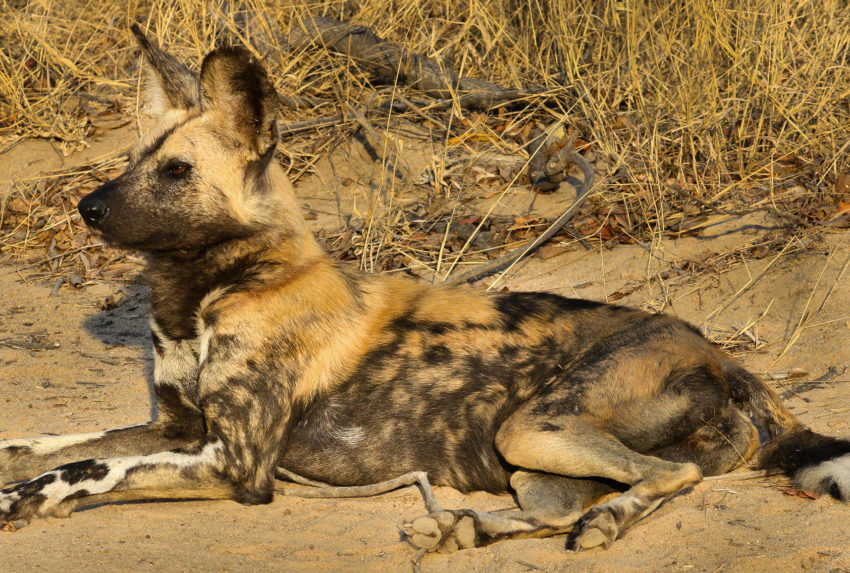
[91, 370]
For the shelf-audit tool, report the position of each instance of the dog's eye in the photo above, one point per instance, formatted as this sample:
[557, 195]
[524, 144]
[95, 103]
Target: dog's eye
[177, 169]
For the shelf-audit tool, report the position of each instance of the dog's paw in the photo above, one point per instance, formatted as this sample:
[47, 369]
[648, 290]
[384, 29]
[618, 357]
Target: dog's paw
[9, 520]
[596, 527]
[12, 525]
[22, 502]
[443, 531]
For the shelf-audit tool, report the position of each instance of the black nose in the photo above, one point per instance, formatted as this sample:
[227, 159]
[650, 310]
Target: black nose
[93, 210]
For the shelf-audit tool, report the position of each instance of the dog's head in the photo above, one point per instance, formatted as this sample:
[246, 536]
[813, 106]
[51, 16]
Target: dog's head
[205, 175]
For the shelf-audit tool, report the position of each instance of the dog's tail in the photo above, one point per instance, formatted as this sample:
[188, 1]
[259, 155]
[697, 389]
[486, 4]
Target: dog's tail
[816, 463]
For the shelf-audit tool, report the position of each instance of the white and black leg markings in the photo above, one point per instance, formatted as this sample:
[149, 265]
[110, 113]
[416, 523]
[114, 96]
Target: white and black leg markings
[25, 457]
[167, 474]
[45, 445]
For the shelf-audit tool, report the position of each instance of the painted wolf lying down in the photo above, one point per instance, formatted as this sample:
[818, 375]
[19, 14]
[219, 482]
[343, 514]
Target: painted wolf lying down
[269, 353]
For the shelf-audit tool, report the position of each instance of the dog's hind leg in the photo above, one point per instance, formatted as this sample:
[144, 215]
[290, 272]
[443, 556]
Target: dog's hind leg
[717, 446]
[549, 505]
[572, 446]
[549, 495]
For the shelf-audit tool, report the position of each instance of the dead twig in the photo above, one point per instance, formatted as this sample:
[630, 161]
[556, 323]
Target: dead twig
[31, 344]
[316, 123]
[742, 476]
[567, 154]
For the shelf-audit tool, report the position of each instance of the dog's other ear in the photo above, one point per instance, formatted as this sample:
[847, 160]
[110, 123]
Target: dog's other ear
[168, 84]
[237, 89]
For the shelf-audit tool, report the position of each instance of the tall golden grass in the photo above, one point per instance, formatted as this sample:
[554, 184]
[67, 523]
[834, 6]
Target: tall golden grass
[686, 108]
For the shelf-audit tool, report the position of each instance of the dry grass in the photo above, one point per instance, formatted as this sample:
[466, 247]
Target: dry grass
[686, 109]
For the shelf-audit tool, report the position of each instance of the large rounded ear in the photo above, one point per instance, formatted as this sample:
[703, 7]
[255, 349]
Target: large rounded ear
[168, 85]
[236, 88]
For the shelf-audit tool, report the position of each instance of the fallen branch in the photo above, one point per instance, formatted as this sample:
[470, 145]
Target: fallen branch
[392, 64]
[387, 62]
[559, 160]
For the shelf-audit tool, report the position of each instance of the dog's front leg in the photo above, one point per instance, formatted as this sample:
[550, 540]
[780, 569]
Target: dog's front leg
[232, 462]
[179, 422]
[193, 472]
[246, 415]
[28, 457]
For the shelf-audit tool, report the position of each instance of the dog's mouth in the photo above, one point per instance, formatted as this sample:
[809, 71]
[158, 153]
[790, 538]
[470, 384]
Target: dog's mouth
[122, 236]
[96, 216]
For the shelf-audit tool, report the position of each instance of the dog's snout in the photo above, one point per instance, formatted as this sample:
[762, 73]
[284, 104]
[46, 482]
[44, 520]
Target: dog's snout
[93, 209]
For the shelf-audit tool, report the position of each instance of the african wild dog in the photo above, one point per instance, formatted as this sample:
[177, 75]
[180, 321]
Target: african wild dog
[269, 353]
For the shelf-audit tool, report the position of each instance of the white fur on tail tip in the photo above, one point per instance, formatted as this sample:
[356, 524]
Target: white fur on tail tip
[836, 470]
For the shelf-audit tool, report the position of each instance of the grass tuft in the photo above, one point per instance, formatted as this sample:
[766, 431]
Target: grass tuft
[686, 110]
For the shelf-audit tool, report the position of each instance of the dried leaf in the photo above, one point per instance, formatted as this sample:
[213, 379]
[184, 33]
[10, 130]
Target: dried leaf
[616, 296]
[625, 291]
[840, 215]
[804, 493]
[524, 222]
[18, 205]
[797, 373]
[79, 239]
[472, 136]
[621, 220]
[582, 145]
[119, 269]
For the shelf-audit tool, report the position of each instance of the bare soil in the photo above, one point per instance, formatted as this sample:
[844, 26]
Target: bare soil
[66, 366]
